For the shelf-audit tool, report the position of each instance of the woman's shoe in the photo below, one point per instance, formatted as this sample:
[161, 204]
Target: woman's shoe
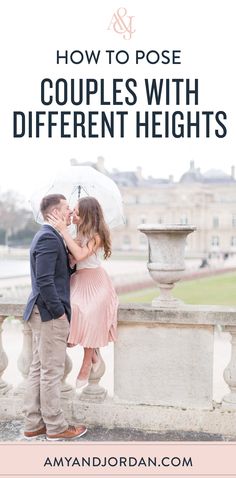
[81, 383]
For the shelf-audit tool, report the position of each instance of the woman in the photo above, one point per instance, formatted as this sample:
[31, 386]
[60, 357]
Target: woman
[93, 298]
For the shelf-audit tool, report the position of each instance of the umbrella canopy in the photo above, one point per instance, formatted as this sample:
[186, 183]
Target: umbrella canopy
[80, 181]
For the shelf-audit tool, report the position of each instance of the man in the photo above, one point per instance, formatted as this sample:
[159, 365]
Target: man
[48, 314]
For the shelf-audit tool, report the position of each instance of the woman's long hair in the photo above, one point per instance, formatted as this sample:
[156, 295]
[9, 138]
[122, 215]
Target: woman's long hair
[92, 222]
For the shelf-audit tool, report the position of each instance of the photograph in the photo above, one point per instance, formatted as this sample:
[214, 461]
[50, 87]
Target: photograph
[117, 236]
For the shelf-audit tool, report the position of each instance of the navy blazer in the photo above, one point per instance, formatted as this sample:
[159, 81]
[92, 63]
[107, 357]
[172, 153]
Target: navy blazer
[50, 275]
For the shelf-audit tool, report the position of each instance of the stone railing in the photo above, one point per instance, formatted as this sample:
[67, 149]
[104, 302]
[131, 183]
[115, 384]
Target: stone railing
[163, 372]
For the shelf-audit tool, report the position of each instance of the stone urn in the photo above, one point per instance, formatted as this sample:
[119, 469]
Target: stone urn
[166, 244]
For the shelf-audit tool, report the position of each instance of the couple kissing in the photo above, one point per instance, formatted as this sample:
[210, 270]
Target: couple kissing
[72, 302]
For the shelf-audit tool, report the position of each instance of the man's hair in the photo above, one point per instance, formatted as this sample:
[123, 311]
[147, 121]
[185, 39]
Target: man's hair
[49, 202]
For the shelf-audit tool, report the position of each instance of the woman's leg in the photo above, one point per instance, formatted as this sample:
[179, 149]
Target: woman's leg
[86, 364]
[96, 356]
[97, 361]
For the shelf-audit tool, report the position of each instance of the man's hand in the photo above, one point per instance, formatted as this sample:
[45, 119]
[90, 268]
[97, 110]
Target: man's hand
[62, 317]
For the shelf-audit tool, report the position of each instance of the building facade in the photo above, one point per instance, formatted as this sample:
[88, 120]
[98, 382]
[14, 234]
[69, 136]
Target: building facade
[206, 200]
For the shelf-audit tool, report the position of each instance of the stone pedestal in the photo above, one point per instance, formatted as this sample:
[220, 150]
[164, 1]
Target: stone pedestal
[25, 359]
[229, 400]
[164, 364]
[166, 244]
[94, 392]
[4, 386]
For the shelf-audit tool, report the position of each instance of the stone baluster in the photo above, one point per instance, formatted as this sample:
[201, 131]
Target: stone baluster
[94, 392]
[25, 359]
[4, 386]
[66, 388]
[229, 400]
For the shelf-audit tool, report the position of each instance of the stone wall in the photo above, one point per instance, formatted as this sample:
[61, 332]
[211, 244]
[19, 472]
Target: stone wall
[163, 372]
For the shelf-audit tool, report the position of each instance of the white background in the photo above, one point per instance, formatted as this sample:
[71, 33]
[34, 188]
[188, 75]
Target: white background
[31, 32]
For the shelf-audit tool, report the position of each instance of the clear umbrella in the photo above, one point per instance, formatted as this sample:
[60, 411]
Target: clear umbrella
[80, 181]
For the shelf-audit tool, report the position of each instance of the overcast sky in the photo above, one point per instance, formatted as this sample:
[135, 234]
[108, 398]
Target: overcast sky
[32, 32]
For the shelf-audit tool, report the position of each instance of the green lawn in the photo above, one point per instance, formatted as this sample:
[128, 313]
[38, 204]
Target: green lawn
[218, 290]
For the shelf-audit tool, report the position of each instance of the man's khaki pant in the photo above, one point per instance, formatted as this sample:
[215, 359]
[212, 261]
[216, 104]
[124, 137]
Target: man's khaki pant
[42, 399]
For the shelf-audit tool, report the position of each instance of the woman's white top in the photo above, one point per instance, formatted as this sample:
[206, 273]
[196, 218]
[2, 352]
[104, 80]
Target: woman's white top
[91, 262]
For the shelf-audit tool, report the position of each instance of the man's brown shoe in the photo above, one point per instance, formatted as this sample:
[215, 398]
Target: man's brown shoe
[69, 434]
[37, 433]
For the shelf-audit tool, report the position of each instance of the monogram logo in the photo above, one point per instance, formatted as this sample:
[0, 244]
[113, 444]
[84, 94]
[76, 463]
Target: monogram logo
[122, 23]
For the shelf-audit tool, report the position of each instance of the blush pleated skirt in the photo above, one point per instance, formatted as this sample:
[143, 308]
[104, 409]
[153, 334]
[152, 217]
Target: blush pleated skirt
[94, 305]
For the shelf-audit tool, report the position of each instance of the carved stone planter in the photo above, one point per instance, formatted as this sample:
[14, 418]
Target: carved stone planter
[166, 258]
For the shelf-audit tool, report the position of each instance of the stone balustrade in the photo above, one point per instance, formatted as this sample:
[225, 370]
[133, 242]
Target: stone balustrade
[163, 372]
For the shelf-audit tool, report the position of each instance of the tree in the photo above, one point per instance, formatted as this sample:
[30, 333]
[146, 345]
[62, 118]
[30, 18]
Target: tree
[24, 236]
[13, 215]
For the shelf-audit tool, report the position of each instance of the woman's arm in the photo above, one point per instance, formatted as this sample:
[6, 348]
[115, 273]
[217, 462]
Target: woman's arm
[72, 260]
[79, 253]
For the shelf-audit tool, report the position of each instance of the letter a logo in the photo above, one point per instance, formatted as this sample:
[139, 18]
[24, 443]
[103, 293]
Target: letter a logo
[121, 23]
